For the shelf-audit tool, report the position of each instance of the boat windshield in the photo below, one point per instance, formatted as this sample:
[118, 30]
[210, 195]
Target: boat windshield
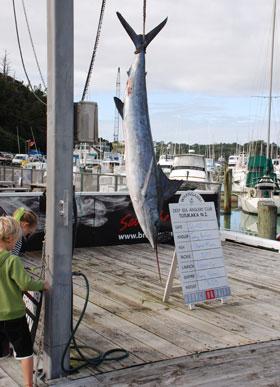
[189, 167]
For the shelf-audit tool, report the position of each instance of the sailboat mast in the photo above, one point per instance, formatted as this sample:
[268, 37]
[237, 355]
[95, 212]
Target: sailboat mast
[271, 80]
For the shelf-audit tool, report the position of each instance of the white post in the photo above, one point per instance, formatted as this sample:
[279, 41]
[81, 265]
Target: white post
[59, 184]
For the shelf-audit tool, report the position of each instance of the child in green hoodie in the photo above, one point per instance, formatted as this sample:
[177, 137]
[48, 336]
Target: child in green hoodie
[13, 281]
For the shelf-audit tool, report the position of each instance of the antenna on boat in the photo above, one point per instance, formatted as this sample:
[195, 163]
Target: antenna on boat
[117, 116]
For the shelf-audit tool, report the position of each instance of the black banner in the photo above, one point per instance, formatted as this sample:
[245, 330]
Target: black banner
[102, 219]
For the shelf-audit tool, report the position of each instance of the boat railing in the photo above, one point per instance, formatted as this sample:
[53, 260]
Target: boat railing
[31, 179]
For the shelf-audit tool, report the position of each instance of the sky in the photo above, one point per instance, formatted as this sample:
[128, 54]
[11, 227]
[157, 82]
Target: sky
[207, 70]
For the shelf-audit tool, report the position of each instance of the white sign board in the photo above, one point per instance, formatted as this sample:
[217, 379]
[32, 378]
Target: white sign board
[198, 249]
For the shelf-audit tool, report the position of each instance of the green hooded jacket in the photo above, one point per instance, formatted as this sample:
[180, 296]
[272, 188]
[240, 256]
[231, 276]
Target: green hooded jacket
[13, 281]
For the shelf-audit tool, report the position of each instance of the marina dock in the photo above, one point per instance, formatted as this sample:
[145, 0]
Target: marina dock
[232, 344]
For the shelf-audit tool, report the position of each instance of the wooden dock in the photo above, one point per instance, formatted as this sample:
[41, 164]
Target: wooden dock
[234, 344]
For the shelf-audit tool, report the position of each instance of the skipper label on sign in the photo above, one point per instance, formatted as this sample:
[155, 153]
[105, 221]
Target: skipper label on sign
[199, 251]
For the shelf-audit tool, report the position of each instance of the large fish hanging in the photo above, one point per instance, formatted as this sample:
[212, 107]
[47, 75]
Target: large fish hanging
[148, 186]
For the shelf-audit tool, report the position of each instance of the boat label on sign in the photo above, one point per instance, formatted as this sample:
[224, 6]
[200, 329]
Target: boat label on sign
[199, 251]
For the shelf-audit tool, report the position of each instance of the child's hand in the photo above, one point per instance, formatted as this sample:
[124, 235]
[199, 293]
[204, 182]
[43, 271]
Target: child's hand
[46, 285]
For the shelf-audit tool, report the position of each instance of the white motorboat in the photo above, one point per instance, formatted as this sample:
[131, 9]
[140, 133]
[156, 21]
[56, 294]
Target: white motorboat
[166, 163]
[239, 172]
[190, 167]
[265, 190]
[232, 161]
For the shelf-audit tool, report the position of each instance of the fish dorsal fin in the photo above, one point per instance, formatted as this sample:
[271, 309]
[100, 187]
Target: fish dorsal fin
[169, 187]
[119, 105]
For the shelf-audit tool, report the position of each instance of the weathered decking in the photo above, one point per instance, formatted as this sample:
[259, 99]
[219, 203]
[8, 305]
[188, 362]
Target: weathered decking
[126, 310]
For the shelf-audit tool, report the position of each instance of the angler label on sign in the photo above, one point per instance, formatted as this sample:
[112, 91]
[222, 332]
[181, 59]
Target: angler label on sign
[199, 252]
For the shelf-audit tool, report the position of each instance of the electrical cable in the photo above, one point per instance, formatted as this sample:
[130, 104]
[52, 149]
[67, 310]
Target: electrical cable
[21, 57]
[113, 354]
[32, 44]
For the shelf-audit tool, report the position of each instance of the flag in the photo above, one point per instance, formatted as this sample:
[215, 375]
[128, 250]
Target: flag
[30, 143]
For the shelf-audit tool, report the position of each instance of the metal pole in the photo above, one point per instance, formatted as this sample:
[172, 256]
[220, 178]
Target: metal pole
[59, 184]
[271, 80]
[18, 141]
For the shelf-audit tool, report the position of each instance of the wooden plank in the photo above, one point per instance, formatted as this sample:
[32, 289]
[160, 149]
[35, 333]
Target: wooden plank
[89, 337]
[241, 366]
[123, 333]
[250, 240]
[235, 325]
[244, 366]
[11, 372]
[111, 320]
[125, 303]
[153, 313]
[6, 380]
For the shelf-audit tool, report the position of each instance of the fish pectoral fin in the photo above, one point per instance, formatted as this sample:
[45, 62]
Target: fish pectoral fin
[169, 187]
[119, 105]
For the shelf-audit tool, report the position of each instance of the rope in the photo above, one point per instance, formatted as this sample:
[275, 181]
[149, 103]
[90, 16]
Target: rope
[21, 57]
[144, 17]
[37, 375]
[94, 50]
[32, 44]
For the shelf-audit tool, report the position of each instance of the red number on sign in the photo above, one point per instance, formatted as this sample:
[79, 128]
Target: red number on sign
[210, 294]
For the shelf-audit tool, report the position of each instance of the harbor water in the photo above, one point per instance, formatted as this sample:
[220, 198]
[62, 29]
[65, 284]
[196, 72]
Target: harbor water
[241, 222]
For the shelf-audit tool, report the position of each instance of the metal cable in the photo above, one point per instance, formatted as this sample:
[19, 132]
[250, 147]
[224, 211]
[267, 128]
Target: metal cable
[94, 50]
[21, 56]
[32, 44]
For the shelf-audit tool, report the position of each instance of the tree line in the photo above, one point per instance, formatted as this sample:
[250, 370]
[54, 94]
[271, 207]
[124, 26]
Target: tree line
[22, 115]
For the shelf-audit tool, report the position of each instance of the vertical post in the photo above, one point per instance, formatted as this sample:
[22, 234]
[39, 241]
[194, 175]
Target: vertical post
[227, 221]
[18, 141]
[82, 180]
[59, 184]
[227, 190]
[267, 219]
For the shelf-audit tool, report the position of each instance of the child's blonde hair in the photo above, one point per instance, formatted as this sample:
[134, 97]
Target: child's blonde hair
[9, 227]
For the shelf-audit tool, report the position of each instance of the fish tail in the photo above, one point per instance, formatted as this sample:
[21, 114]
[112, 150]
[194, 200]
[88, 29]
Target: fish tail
[139, 42]
[158, 266]
[153, 33]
